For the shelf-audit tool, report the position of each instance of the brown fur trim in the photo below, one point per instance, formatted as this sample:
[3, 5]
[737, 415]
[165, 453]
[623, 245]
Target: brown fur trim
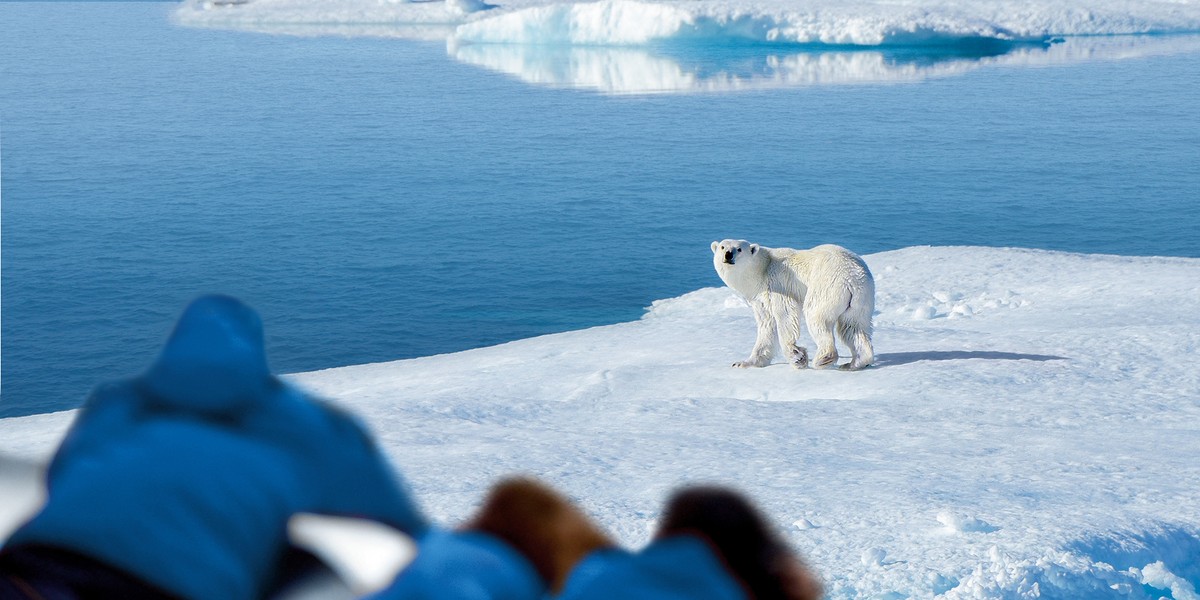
[744, 541]
[541, 524]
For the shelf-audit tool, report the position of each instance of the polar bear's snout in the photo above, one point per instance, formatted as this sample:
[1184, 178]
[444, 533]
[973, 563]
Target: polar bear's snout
[732, 254]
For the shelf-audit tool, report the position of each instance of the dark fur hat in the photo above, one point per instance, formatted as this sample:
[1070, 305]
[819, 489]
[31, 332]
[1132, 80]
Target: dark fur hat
[743, 539]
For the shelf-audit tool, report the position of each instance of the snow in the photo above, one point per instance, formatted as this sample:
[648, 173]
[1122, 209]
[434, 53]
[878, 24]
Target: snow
[367, 554]
[1157, 576]
[1030, 430]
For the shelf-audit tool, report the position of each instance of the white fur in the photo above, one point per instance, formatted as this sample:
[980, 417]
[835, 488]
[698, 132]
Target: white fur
[828, 287]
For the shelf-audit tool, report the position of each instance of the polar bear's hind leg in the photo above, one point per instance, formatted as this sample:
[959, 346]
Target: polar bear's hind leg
[859, 341]
[822, 333]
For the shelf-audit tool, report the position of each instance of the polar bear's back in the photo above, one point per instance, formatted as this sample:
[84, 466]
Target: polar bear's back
[829, 263]
[835, 278]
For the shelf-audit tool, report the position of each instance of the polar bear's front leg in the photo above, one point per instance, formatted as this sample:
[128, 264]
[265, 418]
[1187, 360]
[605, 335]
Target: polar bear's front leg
[798, 356]
[764, 342]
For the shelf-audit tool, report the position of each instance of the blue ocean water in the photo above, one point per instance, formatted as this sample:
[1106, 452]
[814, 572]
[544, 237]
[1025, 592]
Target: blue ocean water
[377, 199]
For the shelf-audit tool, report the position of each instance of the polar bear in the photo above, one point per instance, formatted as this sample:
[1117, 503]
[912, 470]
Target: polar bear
[829, 287]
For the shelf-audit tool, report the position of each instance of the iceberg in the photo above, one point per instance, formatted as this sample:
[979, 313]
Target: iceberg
[636, 46]
[776, 22]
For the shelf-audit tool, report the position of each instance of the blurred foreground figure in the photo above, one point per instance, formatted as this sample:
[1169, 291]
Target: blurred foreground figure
[711, 545]
[527, 542]
[521, 544]
[180, 483]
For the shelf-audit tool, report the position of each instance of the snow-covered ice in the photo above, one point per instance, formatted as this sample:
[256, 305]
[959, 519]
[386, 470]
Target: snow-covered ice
[1031, 429]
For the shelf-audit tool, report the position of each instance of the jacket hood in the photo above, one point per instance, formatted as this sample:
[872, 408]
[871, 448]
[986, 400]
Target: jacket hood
[214, 362]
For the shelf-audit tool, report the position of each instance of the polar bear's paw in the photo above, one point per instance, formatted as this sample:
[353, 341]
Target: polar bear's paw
[798, 356]
[751, 363]
[825, 360]
[853, 366]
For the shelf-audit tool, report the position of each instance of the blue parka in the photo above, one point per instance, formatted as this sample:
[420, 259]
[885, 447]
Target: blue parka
[187, 475]
[465, 565]
[678, 567]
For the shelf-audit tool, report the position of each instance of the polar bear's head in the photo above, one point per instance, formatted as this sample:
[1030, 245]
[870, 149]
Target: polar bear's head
[741, 265]
[727, 253]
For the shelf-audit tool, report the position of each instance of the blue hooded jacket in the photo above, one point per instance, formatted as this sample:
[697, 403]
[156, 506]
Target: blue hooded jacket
[679, 567]
[187, 475]
[465, 565]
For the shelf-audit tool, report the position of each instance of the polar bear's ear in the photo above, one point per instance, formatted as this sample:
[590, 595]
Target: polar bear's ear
[714, 247]
[753, 248]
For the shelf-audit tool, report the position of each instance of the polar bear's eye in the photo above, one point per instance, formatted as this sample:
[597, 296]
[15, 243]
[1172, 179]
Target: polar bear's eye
[739, 249]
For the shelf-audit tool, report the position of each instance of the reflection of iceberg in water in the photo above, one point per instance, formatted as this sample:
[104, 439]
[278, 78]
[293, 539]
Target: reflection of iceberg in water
[706, 69]
[633, 71]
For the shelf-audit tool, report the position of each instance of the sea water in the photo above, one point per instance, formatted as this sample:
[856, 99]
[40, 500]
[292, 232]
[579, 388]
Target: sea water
[379, 198]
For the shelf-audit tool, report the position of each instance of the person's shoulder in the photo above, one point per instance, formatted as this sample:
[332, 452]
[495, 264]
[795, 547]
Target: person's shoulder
[686, 566]
[291, 415]
[596, 575]
[324, 418]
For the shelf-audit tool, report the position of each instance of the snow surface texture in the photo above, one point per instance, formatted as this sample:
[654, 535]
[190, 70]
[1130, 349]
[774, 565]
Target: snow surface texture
[632, 47]
[1030, 430]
